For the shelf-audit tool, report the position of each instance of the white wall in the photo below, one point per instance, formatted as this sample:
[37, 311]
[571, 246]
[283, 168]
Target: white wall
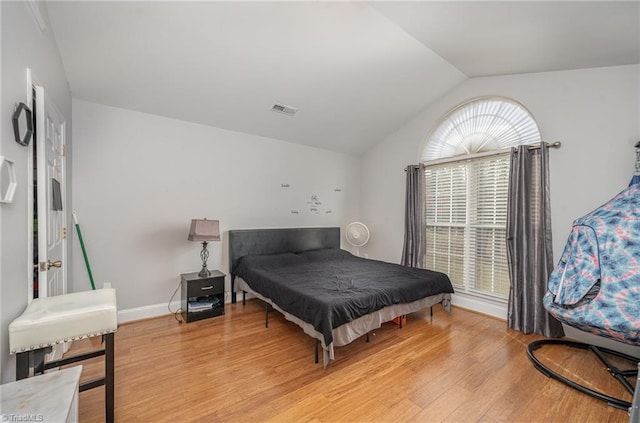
[139, 179]
[594, 113]
[23, 46]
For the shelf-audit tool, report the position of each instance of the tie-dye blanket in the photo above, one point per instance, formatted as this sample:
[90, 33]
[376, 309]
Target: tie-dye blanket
[595, 286]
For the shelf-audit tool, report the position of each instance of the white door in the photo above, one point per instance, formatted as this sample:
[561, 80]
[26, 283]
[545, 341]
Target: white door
[50, 139]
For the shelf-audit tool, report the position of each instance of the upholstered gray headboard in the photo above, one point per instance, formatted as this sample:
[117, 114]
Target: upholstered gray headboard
[243, 242]
[274, 241]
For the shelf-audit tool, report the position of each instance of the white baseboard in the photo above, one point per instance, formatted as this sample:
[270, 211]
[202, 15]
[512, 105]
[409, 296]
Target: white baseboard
[146, 312]
[488, 307]
[154, 310]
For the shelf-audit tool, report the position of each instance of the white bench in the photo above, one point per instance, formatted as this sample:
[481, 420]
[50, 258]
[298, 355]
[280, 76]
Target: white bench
[55, 320]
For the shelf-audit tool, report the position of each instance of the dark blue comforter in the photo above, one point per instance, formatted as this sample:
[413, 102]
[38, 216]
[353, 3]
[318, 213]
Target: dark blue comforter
[328, 288]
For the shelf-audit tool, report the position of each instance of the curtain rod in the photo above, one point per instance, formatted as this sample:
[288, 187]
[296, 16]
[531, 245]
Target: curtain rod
[556, 144]
[466, 157]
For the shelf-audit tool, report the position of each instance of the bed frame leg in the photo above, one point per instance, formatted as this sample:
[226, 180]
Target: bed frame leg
[316, 350]
[431, 311]
[233, 288]
[266, 315]
[368, 337]
[401, 319]
[244, 298]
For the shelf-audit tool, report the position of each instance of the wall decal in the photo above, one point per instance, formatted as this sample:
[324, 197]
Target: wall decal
[314, 204]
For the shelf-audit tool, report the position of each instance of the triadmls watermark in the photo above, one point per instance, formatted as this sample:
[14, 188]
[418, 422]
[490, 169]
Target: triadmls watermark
[22, 417]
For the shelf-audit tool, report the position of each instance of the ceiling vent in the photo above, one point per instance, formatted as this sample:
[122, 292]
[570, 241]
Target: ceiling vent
[281, 108]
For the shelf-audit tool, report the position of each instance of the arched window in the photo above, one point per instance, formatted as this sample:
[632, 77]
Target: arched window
[479, 125]
[466, 162]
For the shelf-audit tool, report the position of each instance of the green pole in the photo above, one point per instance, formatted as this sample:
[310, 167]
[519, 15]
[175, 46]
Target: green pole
[84, 251]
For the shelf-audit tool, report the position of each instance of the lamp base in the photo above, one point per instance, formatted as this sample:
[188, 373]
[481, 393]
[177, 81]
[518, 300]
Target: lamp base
[204, 255]
[204, 273]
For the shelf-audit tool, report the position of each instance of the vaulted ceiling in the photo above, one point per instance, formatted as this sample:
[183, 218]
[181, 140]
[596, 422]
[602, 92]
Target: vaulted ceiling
[356, 71]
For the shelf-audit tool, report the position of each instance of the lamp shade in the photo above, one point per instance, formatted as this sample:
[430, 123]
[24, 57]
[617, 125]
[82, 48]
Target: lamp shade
[204, 230]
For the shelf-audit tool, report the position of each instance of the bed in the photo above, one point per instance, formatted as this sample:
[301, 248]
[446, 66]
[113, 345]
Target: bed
[334, 296]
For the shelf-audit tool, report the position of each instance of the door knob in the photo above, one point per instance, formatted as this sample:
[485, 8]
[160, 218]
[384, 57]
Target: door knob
[44, 266]
[57, 263]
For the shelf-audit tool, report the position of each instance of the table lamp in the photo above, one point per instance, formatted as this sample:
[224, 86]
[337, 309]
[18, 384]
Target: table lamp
[204, 230]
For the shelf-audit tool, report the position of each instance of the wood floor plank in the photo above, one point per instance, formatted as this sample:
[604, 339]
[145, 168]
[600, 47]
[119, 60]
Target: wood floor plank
[444, 405]
[458, 367]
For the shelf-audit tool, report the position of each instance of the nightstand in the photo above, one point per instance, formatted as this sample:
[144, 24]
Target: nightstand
[202, 297]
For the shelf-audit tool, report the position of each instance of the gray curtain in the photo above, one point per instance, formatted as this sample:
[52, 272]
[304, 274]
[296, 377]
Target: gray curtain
[413, 251]
[529, 247]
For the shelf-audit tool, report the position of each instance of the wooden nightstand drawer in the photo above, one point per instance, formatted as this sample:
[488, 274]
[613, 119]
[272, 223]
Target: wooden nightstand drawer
[202, 297]
[208, 286]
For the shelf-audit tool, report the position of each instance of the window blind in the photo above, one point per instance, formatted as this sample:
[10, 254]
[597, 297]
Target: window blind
[466, 217]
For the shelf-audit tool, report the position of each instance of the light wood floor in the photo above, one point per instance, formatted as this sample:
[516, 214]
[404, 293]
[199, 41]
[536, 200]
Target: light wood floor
[462, 367]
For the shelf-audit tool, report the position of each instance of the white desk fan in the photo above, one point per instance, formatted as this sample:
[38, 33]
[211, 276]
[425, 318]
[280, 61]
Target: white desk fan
[357, 234]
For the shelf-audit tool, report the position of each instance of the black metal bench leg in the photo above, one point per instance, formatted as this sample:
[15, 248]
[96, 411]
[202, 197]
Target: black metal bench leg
[22, 365]
[37, 357]
[244, 297]
[26, 360]
[109, 384]
[316, 350]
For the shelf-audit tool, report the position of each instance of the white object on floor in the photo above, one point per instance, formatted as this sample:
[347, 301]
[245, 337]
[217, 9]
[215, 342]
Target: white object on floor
[51, 397]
